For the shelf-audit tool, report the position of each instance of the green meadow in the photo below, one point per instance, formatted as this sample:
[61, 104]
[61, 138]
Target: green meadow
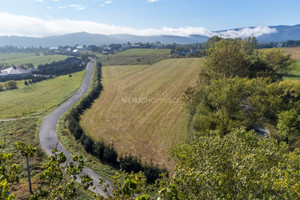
[26, 58]
[295, 73]
[38, 98]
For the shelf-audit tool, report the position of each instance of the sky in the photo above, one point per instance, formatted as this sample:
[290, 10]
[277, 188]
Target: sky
[40, 18]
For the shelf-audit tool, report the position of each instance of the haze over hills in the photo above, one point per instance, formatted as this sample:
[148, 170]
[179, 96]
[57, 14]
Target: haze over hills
[283, 33]
[98, 39]
[278, 34]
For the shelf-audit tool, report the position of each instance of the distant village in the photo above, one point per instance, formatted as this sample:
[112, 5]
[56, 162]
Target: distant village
[178, 50]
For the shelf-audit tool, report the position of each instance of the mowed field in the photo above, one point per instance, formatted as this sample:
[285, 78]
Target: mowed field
[294, 51]
[135, 57]
[141, 109]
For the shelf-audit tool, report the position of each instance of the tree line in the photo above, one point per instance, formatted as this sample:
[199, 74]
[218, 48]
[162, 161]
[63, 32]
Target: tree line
[67, 66]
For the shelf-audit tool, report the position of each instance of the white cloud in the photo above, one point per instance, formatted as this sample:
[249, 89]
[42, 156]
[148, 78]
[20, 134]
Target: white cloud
[77, 7]
[30, 26]
[152, 1]
[105, 3]
[247, 32]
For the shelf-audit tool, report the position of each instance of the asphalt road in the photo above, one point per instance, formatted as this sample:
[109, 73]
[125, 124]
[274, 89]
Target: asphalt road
[47, 132]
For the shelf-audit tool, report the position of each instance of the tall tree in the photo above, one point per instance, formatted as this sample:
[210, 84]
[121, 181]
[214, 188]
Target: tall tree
[26, 151]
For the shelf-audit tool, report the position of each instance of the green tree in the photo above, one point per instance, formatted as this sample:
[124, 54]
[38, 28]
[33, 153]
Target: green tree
[289, 125]
[220, 106]
[26, 151]
[228, 58]
[249, 45]
[226, 104]
[225, 60]
[211, 42]
[58, 177]
[277, 60]
[240, 165]
[127, 186]
[57, 181]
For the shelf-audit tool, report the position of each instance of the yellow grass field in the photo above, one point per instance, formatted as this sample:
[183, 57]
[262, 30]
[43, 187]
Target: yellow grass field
[141, 109]
[294, 51]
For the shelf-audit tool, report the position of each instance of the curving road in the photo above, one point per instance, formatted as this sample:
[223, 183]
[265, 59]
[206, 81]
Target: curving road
[47, 132]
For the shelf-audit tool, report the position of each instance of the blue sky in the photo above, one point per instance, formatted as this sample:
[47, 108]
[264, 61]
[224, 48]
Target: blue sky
[144, 17]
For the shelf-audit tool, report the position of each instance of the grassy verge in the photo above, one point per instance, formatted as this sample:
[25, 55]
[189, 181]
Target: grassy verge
[75, 147]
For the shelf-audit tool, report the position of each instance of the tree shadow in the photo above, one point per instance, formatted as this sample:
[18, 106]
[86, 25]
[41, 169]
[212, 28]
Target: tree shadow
[292, 75]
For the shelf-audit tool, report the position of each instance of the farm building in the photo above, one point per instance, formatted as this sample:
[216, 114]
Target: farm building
[15, 72]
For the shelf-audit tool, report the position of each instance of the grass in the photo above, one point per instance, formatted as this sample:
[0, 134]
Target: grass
[22, 130]
[38, 98]
[147, 129]
[294, 51]
[30, 104]
[135, 57]
[25, 130]
[74, 147]
[26, 58]
[294, 74]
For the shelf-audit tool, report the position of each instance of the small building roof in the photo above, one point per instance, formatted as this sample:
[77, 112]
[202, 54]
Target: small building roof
[14, 71]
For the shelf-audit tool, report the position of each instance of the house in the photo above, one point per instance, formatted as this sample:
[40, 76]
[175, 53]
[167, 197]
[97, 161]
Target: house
[76, 51]
[79, 47]
[15, 72]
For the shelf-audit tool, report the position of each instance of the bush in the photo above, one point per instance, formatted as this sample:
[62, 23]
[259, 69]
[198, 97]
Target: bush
[10, 85]
[131, 164]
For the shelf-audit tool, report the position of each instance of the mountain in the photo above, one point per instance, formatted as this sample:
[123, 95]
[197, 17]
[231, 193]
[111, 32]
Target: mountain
[98, 39]
[283, 33]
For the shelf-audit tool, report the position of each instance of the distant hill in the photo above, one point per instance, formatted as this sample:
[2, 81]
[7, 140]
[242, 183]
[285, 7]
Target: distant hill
[283, 33]
[98, 39]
